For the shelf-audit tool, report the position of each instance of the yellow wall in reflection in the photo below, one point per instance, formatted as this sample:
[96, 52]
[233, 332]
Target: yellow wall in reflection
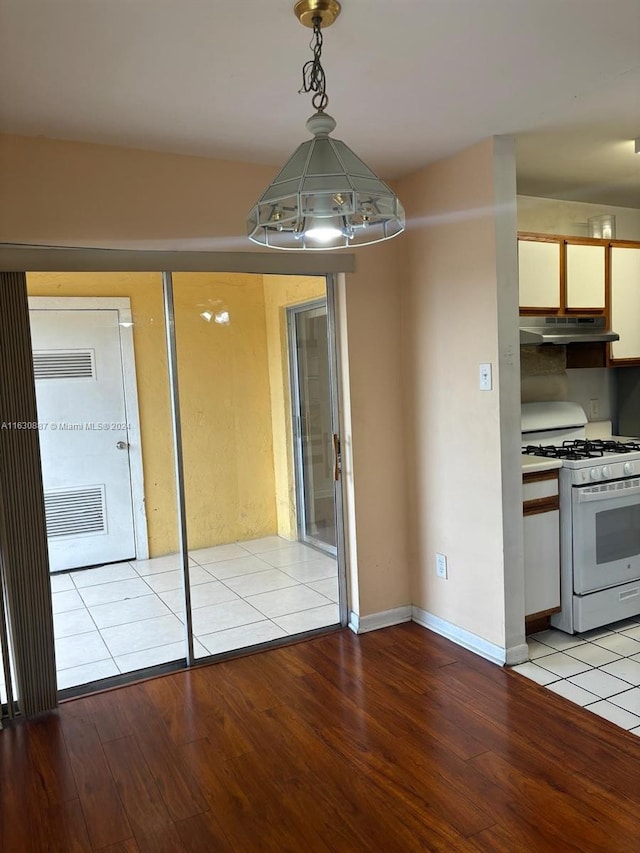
[234, 395]
[225, 406]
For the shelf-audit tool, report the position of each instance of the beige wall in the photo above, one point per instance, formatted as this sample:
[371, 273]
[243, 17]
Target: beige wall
[374, 460]
[460, 310]
[554, 216]
[76, 194]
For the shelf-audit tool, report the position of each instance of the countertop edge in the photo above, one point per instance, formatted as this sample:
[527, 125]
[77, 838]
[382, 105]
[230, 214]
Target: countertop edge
[537, 463]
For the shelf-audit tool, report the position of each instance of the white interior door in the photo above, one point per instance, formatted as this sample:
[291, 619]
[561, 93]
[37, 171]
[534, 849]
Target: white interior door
[84, 440]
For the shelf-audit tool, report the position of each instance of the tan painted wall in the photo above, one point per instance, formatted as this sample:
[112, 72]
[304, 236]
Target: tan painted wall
[225, 401]
[281, 291]
[74, 193]
[453, 441]
[107, 196]
[375, 472]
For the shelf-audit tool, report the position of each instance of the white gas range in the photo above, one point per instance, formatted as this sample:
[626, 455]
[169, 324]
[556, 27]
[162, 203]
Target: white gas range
[599, 515]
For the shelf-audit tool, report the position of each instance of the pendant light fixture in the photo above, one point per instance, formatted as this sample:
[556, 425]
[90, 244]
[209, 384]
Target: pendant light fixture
[324, 197]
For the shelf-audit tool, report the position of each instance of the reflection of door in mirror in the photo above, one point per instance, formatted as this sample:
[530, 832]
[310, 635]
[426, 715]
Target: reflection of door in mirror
[311, 395]
[84, 436]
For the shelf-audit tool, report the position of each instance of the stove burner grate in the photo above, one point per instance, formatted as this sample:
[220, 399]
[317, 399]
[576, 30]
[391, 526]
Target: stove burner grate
[555, 452]
[582, 449]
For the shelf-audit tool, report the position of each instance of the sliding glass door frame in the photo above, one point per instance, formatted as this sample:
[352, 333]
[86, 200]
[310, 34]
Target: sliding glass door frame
[336, 394]
[329, 301]
[329, 304]
[333, 339]
[178, 461]
[302, 484]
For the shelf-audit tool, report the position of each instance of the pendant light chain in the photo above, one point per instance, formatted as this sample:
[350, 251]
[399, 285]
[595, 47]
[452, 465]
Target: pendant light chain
[313, 76]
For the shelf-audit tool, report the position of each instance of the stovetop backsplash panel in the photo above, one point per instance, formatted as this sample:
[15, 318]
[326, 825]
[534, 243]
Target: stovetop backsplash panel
[599, 429]
[544, 376]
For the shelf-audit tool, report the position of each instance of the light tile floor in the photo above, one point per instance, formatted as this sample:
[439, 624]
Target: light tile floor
[119, 618]
[599, 670]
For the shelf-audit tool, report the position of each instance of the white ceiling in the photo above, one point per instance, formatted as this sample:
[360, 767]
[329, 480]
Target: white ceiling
[409, 81]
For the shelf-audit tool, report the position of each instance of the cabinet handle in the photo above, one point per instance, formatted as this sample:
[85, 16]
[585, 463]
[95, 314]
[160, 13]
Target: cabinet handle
[337, 457]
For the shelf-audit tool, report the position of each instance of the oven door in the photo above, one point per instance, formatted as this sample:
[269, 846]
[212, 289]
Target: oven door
[605, 534]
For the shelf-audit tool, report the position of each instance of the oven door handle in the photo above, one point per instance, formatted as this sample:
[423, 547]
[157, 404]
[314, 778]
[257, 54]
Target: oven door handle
[609, 491]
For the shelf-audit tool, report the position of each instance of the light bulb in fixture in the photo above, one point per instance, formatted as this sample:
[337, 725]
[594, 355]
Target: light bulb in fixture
[323, 233]
[324, 228]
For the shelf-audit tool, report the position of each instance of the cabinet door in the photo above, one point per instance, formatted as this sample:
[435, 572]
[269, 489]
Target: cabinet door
[585, 276]
[539, 274]
[625, 302]
[541, 562]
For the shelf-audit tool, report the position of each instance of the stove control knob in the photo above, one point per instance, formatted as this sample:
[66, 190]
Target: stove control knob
[595, 473]
[628, 468]
[606, 472]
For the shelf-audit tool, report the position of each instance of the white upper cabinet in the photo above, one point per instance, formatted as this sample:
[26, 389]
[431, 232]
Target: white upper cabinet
[625, 301]
[539, 274]
[585, 276]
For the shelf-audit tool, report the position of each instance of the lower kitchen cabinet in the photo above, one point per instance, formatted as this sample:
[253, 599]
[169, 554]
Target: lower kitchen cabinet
[541, 543]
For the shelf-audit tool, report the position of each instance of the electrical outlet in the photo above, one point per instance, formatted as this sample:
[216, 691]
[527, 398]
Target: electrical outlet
[485, 377]
[441, 566]
[594, 409]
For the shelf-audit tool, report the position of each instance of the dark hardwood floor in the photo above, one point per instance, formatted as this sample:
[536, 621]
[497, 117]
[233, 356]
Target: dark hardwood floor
[395, 740]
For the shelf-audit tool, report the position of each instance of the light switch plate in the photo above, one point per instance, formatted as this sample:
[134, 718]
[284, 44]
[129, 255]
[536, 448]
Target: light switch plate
[486, 383]
[441, 566]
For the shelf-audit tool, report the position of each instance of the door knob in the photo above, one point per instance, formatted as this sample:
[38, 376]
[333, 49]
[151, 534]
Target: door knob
[122, 445]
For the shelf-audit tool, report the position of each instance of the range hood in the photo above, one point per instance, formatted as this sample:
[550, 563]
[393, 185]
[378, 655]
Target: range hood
[565, 330]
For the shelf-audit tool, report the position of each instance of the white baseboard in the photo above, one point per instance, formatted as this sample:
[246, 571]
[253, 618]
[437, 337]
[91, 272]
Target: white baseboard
[362, 624]
[476, 644]
[517, 654]
[472, 642]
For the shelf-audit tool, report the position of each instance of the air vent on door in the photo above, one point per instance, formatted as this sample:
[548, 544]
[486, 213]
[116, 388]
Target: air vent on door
[75, 512]
[64, 364]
